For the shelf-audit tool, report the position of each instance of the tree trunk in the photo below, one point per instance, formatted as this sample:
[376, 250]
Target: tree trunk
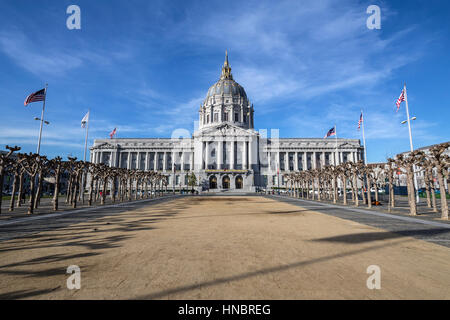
[69, 188]
[355, 190]
[103, 198]
[113, 189]
[391, 188]
[2, 178]
[97, 190]
[433, 197]
[411, 193]
[91, 190]
[13, 194]
[427, 190]
[56, 192]
[369, 194]
[344, 189]
[363, 193]
[31, 203]
[39, 190]
[137, 190]
[76, 189]
[444, 206]
[20, 194]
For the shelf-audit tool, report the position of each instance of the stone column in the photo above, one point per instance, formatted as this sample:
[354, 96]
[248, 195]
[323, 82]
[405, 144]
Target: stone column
[192, 161]
[206, 155]
[182, 161]
[219, 154]
[305, 161]
[232, 156]
[286, 161]
[269, 161]
[155, 161]
[250, 154]
[314, 162]
[277, 160]
[129, 160]
[296, 161]
[244, 155]
[165, 161]
[173, 162]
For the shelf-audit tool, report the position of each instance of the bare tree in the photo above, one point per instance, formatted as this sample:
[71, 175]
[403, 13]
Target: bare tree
[4, 162]
[441, 163]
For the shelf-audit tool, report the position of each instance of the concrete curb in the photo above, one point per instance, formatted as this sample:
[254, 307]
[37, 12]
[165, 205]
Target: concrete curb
[63, 213]
[375, 213]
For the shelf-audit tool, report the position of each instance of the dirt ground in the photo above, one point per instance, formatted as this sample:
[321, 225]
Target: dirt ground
[222, 248]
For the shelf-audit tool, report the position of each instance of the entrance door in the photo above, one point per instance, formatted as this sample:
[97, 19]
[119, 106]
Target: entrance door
[239, 182]
[226, 182]
[213, 182]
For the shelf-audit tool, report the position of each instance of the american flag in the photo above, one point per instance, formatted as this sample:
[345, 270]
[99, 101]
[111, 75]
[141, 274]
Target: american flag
[37, 96]
[330, 132]
[360, 121]
[112, 133]
[400, 99]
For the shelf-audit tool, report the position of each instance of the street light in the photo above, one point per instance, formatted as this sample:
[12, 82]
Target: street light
[45, 121]
[405, 121]
[414, 167]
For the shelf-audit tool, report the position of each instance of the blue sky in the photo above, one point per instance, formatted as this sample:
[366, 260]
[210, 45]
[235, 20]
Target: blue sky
[145, 67]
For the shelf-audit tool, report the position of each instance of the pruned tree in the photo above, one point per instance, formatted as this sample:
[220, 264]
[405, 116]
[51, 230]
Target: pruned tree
[31, 163]
[4, 162]
[441, 162]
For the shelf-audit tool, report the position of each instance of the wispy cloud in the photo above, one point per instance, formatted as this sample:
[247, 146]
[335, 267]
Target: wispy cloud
[52, 58]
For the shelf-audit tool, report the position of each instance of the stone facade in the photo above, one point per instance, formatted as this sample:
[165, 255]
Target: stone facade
[226, 152]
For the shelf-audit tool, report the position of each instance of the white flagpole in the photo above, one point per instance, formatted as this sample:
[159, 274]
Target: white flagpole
[337, 154]
[42, 120]
[87, 130]
[364, 139]
[410, 142]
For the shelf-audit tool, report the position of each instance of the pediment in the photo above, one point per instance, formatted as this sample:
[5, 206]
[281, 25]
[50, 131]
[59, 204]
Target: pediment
[105, 145]
[226, 129]
[346, 145]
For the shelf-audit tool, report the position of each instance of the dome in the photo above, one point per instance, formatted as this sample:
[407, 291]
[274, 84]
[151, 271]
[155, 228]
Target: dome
[226, 85]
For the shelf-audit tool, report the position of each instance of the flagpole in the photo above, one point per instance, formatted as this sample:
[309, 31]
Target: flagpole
[85, 140]
[337, 154]
[42, 120]
[364, 139]
[410, 142]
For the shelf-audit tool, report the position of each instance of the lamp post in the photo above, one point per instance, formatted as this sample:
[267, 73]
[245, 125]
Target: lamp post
[412, 149]
[40, 130]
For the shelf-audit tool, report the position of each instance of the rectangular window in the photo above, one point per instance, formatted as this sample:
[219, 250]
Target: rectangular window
[207, 118]
[225, 116]
[291, 161]
[216, 117]
[300, 161]
[236, 116]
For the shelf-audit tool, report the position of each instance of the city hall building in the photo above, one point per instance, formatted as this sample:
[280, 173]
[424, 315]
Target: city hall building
[225, 152]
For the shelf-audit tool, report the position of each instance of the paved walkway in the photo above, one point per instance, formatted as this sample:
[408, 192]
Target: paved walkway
[247, 247]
